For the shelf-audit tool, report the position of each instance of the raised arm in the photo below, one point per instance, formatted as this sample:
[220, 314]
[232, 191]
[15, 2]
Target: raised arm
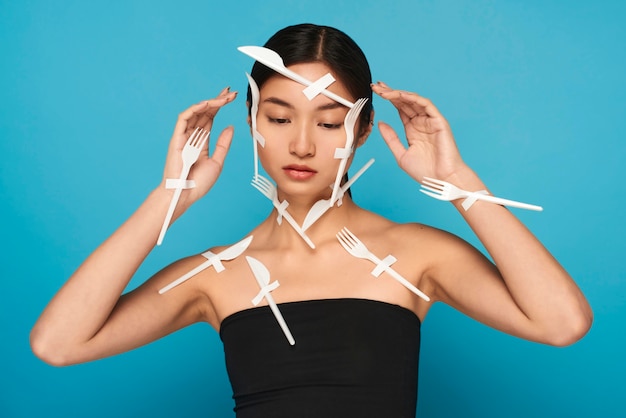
[88, 318]
[527, 293]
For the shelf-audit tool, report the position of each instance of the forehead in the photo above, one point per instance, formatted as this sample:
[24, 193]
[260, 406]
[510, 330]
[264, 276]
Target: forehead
[286, 89]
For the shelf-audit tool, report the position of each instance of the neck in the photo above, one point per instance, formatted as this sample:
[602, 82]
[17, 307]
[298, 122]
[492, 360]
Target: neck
[321, 231]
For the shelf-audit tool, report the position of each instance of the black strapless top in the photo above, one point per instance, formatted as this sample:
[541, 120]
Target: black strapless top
[352, 358]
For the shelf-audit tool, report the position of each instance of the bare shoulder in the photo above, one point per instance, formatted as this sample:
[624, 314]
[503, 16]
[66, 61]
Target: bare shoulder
[225, 281]
[432, 246]
[196, 279]
[424, 246]
[409, 236]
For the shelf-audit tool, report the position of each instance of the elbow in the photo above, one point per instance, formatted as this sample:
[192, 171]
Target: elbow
[571, 331]
[46, 351]
[569, 323]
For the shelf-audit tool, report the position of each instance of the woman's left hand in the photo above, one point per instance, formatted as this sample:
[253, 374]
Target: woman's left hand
[431, 150]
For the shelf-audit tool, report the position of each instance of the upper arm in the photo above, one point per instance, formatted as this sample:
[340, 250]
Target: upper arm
[466, 280]
[143, 315]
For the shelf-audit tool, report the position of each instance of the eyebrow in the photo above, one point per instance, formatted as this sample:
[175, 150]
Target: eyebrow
[328, 106]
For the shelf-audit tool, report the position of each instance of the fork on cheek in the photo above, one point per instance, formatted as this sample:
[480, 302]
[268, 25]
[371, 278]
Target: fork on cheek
[349, 122]
[190, 154]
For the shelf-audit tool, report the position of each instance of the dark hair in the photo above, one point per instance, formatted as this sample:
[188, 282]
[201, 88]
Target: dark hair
[307, 42]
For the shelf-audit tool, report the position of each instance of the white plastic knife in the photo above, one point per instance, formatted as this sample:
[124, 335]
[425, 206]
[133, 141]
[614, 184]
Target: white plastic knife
[262, 275]
[321, 206]
[229, 253]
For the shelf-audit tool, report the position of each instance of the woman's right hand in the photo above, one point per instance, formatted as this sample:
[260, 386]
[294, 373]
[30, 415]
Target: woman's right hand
[207, 168]
[110, 323]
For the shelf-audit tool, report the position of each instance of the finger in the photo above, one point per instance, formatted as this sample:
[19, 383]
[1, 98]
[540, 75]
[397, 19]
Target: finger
[190, 118]
[412, 105]
[399, 98]
[392, 140]
[407, 108]
[421, 102]
[408, 103]
[379, 85]
[382, 89]
[205, 119]
[186, 117]
[222, 145]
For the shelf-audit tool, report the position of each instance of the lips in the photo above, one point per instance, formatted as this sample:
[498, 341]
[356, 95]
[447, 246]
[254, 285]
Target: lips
[299, 172]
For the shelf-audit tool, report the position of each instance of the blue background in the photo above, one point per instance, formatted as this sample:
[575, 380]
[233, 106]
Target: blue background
[90, 93]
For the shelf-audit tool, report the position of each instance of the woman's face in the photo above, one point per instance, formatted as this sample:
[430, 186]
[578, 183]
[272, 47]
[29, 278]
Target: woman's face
[301, 135]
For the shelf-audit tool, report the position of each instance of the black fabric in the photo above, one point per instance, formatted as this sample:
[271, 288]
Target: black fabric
[352, 358]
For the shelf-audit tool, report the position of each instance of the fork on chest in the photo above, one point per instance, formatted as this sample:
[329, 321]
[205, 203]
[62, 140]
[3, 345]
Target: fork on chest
[356, 248]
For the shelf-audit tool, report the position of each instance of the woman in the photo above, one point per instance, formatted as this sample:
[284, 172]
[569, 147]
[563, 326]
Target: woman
[357, 336]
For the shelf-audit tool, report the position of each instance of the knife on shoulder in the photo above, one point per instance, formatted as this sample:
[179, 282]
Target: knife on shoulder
[229, 253]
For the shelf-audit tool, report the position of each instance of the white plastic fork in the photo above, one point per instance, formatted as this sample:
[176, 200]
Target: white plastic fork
[355, 247]
[269, 190]
[443, 190]
[190, 154]
[348, 123]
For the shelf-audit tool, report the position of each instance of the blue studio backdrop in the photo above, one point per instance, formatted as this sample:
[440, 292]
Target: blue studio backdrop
[91, 90]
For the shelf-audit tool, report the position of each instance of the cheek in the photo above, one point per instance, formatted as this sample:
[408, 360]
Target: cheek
[275, 144]
[274, 154]
[335, 141]
[275, 133]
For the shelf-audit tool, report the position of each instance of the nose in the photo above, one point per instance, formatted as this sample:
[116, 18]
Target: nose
[302, 143]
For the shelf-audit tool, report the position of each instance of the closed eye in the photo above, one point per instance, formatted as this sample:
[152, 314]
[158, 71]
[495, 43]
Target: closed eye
[279, 121]
[331, 125]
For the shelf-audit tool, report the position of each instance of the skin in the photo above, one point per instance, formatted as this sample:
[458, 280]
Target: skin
[535, 300]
